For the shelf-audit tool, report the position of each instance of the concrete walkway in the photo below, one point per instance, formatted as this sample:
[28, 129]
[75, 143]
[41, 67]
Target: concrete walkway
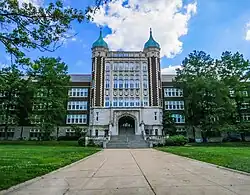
[144, 171]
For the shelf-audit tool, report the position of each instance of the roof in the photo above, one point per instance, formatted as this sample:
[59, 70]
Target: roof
[151, 42]
[88, 77]
[100, 42]
[80, 77]
[167, 77]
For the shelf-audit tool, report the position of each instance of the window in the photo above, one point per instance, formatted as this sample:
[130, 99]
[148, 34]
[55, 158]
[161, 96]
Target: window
[131, 67]
[10, 132]
[155, 115]
[107, 84]
[120, 83]
[121, 66]
[137, 67]
[77, 119]
[126, 102]
[115, 102]
[121, 102]
[131, 83]
[115, 81]
[137, 84]
[156, 132]
[145, 101]
[97, 116]
[245, 105]
[132, 102]
[107, 102]
[245, 117]
[178, 118]
[115, 66]
[35, 133]
[145, 68]
[137, 102]
[244, 93]
[107, 67]
[78, 92]
[96, 132]
[145, 84]
[126, 67]
[126, 84]
[77, 105]
[173, 92]
[174, 105]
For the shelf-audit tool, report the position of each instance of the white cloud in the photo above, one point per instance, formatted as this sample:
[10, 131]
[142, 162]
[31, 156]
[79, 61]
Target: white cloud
[170, 70]
[36, 3]
[130, 23]
[248, 31]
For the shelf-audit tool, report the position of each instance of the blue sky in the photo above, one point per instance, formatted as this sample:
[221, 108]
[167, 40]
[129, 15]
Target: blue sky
[209, 25]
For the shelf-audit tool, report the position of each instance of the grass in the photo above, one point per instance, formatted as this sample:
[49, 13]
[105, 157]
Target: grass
[41, 143]
[230, 155]
[19, 163]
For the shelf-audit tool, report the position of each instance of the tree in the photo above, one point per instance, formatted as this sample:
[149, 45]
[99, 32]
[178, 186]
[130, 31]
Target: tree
[234, 72]
[27, 26]
[10, 79]
[51, 93]
[207, 102]
[168, 124]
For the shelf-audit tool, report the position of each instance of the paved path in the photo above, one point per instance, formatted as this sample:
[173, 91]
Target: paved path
[145, 171]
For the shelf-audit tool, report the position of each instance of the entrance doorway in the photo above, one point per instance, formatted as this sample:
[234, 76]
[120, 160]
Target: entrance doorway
[126, 126]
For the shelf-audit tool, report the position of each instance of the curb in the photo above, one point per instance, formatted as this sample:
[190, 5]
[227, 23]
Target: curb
[28, 182]
[213, 165]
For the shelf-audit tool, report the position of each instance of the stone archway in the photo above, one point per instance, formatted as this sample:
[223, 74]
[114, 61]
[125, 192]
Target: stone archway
[126, 125]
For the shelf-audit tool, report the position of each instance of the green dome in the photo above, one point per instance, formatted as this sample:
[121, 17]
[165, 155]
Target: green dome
[151, 42]
[100, 42]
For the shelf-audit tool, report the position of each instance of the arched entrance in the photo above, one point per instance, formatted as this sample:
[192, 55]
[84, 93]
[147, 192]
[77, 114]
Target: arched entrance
[126, 125]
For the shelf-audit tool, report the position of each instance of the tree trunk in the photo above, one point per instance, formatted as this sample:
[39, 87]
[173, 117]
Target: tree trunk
[21, 136]
[57, 132]
[193, 128]
[6, 132]
[243, 137]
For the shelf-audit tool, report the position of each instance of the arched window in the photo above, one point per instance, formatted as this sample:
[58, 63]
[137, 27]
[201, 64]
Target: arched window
[131, 83]
[137, 102]
[121, 66]
[137, 84]
[126, 66]
[107, 84]
[145, 84]
[145, 67]
[107, 68]
[120, 83]
[126, 82]
[137, 67]
[132, 103]
[115, 81]
[107, 102]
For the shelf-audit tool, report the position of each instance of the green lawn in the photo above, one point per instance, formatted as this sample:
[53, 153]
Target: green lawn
[19, 163]
[234, 156]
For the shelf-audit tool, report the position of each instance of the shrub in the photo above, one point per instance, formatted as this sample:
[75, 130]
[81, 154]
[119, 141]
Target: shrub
[91, 143]
[67, 138]
[81, 141]
[176, 140]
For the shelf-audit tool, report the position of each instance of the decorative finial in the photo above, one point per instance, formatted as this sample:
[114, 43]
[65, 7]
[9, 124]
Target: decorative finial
[100, 31]
[151, 32]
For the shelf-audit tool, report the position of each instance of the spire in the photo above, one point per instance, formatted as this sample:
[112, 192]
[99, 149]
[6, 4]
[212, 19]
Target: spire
[151, 42]
[100, 42]
[100, 32]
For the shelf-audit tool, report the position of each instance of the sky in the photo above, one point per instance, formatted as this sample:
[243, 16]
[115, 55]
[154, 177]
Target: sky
[179, 26]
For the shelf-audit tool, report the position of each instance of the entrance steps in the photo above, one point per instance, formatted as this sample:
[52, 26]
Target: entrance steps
[127, 141]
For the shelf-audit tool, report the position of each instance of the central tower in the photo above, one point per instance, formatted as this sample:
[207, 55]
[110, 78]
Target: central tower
[126, 90]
